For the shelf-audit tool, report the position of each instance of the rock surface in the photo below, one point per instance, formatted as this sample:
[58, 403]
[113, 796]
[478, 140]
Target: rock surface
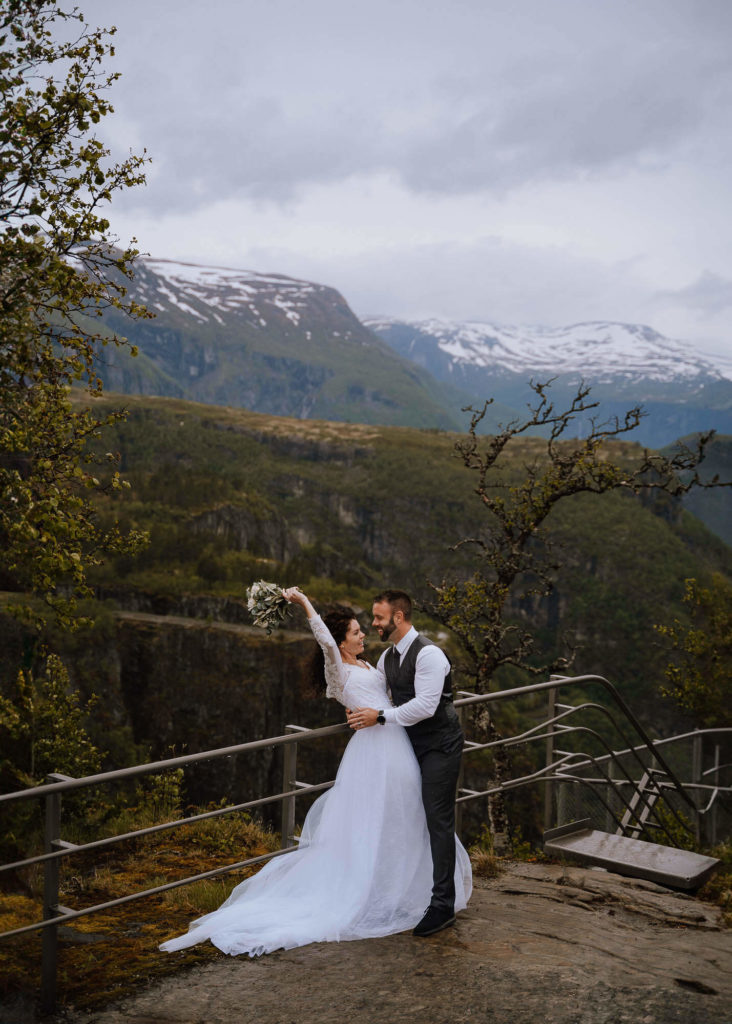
[540, 943]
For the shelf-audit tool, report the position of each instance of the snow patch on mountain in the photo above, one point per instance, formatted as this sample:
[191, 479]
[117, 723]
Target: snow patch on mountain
[722, 362]
[601, 350]
[223, 289]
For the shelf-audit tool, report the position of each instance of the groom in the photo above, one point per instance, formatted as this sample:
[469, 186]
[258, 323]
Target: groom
[418, 674]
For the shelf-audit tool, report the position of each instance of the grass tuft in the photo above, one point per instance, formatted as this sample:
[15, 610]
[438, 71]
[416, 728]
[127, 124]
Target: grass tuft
[486, 864]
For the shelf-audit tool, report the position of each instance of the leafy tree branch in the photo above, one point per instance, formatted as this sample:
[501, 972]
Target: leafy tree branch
[699, 675]
[60, 270]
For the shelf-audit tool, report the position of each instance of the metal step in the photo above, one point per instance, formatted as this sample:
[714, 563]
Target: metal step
[641, 804]
[678, 869]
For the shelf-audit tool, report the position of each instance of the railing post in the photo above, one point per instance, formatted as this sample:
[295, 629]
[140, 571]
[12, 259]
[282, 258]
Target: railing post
[462, 717]
[609, 823]
[548, 793]
[289, 777]
[696, 777]
[712, 828]
[49, 948]
[562, 816]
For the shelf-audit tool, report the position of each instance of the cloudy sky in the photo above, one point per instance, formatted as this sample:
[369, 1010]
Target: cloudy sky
[517, 161]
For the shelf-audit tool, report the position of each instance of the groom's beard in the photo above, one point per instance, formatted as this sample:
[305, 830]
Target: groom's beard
[386, 631]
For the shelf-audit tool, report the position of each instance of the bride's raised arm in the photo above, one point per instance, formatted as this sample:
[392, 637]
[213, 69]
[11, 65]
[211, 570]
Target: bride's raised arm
[335, 671]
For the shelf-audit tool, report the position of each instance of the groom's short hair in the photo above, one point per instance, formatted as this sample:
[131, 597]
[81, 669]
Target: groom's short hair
[399, 600]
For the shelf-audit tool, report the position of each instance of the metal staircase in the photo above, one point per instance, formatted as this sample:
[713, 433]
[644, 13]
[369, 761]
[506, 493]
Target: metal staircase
[640, 806]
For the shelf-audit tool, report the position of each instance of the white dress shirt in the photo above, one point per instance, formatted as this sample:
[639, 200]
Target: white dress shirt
[429, 682]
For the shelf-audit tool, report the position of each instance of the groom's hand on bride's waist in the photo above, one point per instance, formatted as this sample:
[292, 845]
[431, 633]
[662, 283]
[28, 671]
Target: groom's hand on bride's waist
[361, 718]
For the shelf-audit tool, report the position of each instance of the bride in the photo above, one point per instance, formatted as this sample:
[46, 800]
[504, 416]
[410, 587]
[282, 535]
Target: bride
[363, 867]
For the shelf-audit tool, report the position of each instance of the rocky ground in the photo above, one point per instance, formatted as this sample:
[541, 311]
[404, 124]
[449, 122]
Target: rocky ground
[540, 944]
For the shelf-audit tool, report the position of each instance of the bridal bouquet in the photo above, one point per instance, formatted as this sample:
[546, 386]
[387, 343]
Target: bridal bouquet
[267, 604]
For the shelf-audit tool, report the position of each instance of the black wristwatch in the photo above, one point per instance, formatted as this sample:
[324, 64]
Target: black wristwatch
[380, 718]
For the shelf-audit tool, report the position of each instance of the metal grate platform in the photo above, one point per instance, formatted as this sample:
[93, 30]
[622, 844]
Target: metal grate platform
[678, 869]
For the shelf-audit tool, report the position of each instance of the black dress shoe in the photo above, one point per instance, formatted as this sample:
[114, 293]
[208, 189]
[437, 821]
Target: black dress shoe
[434, 921]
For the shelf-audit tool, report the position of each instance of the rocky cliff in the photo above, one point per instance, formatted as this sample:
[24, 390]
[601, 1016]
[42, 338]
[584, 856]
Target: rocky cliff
[188, 685]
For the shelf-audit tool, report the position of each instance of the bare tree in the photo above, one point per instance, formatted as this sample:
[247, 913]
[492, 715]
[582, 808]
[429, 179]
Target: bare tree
[514, 558]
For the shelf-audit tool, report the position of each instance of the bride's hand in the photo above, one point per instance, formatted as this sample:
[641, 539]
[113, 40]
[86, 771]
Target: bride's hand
[295, 596]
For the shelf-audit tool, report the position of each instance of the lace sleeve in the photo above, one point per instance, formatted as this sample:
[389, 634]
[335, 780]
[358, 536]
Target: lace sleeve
[336, 672]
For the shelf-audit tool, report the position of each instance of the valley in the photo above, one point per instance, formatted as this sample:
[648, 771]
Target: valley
[230, 496]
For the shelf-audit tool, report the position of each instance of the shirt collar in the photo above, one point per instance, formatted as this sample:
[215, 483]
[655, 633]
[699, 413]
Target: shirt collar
[406, 642]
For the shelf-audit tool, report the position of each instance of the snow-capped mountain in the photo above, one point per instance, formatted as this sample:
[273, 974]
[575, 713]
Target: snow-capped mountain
[269, 343]
[289, 347]
[681, 390]
[601, 352]
[214, 294]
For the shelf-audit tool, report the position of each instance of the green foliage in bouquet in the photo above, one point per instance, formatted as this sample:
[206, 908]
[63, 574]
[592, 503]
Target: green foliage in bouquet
[267, 604]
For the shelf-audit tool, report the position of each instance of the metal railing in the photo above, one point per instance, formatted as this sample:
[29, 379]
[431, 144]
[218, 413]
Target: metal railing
[560, 768]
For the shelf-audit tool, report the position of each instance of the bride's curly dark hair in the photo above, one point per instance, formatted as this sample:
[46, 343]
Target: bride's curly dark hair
[337, 622]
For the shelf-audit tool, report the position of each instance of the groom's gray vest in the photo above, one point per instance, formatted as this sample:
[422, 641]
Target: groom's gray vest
[443, 727]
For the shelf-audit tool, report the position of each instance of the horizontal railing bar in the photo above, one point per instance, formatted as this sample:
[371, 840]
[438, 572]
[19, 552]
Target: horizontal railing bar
[178, 823]
[530, 734]
[660, 784]
[559, 681]
[541, 775]
[512, 741]
[724, 731]
[74, 914]
[159, 766]
[545, 777]
[635, 750]
[556, 682]
[330, 730]
[473, 795]
[173, 762]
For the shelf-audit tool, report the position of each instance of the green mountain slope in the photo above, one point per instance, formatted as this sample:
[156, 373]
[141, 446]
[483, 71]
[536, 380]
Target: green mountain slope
[230, 496]
[271, 344]
[714, 506]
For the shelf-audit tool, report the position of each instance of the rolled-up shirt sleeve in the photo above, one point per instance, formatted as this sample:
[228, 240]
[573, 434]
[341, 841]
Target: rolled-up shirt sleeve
[429, 681]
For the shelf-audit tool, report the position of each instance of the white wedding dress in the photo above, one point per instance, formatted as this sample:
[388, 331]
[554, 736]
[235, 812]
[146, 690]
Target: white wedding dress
[363, 867]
